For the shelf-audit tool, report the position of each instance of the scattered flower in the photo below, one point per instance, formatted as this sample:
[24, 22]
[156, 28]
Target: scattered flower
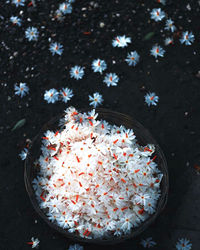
[77, 72]
[21, 90]
[187, 38]
[65, 8]
[132, 58]
[32, 33]
[121, 41]
[147, 243]
[23, 154]
[111, 79]
[169, 25]
[151, 99]
[75, 247]
[99, 65]
[157, 14]
[168, 41]
[157, 51]
[51, 96]
[95, 100]
[183, 244]
[18, 2]
[34, 242]
[15, 20]
[56, 48]
[66, 94]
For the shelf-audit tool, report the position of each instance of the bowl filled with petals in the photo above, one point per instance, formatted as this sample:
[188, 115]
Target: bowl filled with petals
[96, 176]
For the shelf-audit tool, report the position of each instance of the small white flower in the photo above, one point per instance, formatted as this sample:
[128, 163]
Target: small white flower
[56, 48]
[127, 222]
[111, 79]
[66, 94]
[141, 199]
[168, 41]
[77, 72]
[34, 242]
[187, 38]
[183, 244]
[169, 25]
[31, 33]
[21, 90]
[65, 8]
[121, 41]
[75, 247]
[99, 65]
[157, 14]
[95, 100]
[15, 20]
[157, 51]
[23, 154]
[151, 99]
[132, 58]
[51, 96]
[147, 243]
[18, 2]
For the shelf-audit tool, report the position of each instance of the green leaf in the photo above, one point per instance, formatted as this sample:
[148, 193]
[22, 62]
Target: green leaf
[148, 36]
[19, 124]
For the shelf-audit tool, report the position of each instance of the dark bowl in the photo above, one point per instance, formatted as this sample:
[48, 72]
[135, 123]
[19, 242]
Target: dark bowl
[143, 138]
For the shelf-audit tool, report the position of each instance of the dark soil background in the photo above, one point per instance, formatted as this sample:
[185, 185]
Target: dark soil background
[174, 122]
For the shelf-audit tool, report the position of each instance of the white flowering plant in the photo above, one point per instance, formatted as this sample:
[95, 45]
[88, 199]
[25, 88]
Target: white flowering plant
[94, 179]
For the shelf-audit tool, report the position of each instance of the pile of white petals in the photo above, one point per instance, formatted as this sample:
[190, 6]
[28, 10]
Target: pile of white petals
[94, 178]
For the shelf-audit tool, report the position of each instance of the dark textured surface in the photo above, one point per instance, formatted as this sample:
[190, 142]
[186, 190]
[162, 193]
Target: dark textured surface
[174, 122]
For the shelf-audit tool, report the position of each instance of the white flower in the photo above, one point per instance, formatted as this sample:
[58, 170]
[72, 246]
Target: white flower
[111, 79]
[183, 244]
[21, 90]
[132, 58]
[18, 2]
[34, 242]
[127, 221]
[56, 48]
[168, 41]
[187, 38]
[157, 51]
[95, 100]
[169, 25]
[65, 8]
[66, 94]
[15, 20]
[151, 99]
[121, 41]
[31, 33]
[51, 96]
[148, 243]
[66, 221]
[141, 199]
[150, 206]
[157, 14]
[23, 154]
[99, 65]
[77, 72]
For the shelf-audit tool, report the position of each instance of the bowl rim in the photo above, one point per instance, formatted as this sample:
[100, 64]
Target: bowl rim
[161, 203]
